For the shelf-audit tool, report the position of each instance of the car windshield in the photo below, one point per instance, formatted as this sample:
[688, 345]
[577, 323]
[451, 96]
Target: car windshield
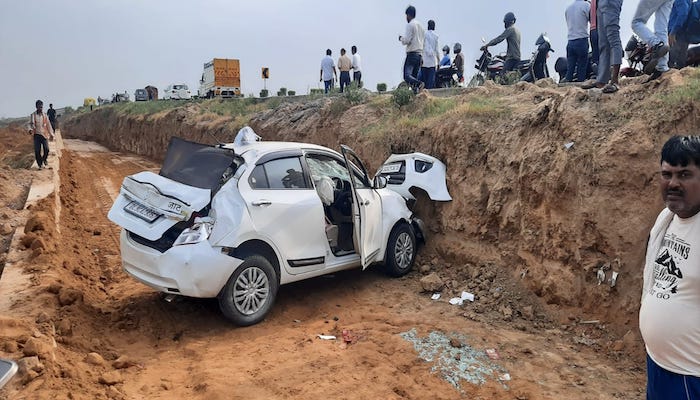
[199, 165]
[178, 87]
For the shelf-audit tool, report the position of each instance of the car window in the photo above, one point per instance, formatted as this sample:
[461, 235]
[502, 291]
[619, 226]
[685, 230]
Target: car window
[323, 165]
[282, 173]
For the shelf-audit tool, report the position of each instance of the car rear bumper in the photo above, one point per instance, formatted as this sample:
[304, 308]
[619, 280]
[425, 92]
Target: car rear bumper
[195, 270]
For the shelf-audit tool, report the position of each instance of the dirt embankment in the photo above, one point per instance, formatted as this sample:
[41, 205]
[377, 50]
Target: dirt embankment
[549, 184]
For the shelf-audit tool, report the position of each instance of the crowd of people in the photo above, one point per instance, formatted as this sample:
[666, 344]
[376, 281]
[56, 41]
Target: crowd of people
[329, 74]
[594, 47]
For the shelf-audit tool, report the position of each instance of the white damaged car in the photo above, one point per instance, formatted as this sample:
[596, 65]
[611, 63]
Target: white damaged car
[236, 221]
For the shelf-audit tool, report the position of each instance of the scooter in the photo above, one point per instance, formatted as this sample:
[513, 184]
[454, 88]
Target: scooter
[537, 66]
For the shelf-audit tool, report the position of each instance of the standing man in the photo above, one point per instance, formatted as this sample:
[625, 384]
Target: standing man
[344, 65]
[677, 35]
[356, 66]
[413, 40]
[577, 16]
[669, 317]
[594, 32]
[40, 127]
[610, 46]
[328, 73]
[430, 56]
[657, 40]
[52, 117]
[512, 36]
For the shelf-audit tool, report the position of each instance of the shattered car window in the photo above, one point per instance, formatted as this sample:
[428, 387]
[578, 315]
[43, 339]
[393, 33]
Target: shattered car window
[322, 165]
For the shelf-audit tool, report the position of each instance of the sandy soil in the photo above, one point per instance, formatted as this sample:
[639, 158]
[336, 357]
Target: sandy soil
[99, 334]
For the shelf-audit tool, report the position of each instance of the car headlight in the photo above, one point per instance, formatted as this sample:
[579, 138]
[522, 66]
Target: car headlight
[197, 233]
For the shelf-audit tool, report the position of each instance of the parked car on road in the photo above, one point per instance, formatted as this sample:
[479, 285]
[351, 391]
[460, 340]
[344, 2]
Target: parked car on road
[177, 92]
[140, 95]
[236, 221]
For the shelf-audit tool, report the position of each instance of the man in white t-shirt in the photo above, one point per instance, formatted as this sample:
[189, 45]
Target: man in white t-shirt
[356, 66]
[413, 40]
[328, 73]
[669, 317]
[430, 56]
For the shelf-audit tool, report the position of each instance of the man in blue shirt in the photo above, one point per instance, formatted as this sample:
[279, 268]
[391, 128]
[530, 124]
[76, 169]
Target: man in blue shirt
[678, 55]
[328, 72]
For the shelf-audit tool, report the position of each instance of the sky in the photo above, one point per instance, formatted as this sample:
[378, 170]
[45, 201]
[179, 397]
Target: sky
[62, 51]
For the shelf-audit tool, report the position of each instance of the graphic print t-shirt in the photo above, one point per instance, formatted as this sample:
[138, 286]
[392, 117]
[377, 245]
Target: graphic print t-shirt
[669, 318]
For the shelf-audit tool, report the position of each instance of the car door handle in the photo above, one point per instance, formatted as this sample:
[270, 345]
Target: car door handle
[262, 203]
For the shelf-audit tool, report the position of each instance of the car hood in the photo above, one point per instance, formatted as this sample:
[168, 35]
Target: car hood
[149, 204]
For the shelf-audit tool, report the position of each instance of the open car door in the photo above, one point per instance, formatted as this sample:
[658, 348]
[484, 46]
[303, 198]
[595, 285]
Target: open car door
[366, 210]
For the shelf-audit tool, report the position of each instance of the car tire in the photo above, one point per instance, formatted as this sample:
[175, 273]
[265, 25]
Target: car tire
[250, 292]
[400, 251]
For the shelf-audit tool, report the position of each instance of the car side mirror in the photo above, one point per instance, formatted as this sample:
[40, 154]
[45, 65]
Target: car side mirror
[380, 182]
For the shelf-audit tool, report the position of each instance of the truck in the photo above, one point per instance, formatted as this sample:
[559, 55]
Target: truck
[221, 78]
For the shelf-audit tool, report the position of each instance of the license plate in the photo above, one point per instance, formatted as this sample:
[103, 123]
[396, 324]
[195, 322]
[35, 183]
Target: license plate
[391, 168]
[145, 213]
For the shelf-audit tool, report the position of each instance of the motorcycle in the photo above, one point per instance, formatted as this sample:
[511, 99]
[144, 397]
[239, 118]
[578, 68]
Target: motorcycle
[638, 56]
[492, 67]
[537, 65]
[445, 77]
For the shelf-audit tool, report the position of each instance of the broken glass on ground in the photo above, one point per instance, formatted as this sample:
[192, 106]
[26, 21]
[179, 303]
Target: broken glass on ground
[455, 363]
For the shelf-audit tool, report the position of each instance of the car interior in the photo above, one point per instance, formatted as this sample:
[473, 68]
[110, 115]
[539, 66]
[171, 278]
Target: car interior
[333, 187]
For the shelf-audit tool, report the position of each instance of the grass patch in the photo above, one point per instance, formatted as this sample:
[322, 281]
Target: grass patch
[688, 92]
[145, 107]
[398, 122]
[438, 106]
[480, 106]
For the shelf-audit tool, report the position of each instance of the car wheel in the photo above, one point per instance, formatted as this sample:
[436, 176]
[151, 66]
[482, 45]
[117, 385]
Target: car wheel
[250, 292]
[400, 251]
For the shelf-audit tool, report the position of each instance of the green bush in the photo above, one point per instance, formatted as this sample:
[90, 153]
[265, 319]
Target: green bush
[282, 92]
[402, 96]
[354, 95]
[381, 87]
[291, 93]
[264, 93]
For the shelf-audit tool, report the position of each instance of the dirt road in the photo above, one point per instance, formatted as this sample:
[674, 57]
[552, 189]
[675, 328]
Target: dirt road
[100, 334]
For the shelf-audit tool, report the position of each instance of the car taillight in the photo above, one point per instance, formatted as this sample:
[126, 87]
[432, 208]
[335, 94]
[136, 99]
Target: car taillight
[197, 233]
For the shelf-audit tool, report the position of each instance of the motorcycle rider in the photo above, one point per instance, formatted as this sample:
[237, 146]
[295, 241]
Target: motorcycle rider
[511, 35]
[445, 62]
[459, 61]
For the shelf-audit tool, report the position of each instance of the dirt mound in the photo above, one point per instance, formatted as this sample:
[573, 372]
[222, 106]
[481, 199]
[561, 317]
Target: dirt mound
[549, 184]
